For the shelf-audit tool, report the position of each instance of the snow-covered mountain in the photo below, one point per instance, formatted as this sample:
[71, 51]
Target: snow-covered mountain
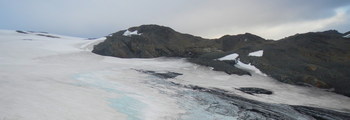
[53, 77]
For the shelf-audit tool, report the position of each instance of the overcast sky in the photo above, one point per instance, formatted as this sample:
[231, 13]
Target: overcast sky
[271, 19]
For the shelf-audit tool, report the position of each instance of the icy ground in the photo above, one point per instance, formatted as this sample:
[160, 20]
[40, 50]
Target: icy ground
[48, 78]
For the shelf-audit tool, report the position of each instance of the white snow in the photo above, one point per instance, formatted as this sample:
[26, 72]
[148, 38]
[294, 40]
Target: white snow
[347, 36]
[229, 57]
[56, 78]
[46, 78]
[258, 53]
[130, 33]
[90, 45]
[248, 67]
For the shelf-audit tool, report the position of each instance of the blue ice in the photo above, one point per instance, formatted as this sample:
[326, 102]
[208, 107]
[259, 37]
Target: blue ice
[125, 104]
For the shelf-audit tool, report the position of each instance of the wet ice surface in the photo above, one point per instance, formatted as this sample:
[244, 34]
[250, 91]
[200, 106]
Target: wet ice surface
[59, 78]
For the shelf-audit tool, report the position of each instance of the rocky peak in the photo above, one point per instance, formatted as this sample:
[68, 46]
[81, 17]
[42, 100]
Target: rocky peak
[147, 29]
[156, 29]
[154, 41]
[325, 35]
[331, 32]
[242, 37]
[234, 42]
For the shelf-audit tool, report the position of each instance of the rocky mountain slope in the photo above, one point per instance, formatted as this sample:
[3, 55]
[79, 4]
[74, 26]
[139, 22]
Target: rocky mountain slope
[149, 41]
[320, 59]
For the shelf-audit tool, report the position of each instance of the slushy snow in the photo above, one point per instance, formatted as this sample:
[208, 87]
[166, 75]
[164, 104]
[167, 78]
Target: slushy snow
[257, 53]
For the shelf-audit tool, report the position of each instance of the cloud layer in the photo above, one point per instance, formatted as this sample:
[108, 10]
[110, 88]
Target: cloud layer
[272, 19]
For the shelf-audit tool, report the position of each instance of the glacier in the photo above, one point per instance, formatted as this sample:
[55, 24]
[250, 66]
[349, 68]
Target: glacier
[58, 78]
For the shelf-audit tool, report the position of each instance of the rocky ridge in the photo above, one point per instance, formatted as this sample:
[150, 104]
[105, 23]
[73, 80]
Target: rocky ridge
[318, 59]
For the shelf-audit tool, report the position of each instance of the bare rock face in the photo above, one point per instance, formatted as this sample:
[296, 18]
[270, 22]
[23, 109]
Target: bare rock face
[311, 67]
[319, 59]
[154, 41]
[252, 90]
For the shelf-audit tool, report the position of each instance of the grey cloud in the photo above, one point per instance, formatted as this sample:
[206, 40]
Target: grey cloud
[208, 18]
[232, 17]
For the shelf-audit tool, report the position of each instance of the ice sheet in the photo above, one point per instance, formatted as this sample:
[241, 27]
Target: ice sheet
[59, 78]
[39, 82]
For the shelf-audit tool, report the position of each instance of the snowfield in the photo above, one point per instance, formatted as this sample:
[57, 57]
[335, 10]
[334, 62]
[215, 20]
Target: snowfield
[249, 68]
[257, 53]
[45, 78]
[229, 57]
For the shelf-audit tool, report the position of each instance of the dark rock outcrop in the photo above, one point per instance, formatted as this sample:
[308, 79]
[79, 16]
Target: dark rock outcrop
[319, 59]
[252, 91]
[167, 75]
[225, 66]
[44, 34]
[154, 41]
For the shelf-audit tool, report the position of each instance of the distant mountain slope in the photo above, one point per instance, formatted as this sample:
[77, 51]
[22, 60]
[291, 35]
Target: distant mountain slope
[320, 59]
[154, 41]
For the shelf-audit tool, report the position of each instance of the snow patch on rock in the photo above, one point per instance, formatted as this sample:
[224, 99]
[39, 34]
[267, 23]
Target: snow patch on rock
[248, 67]
[229, 57]
[347, 36]
[257, 53]
[129, 33]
